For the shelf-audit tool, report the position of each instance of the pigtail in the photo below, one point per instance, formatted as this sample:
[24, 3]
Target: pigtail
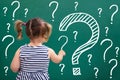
[18, 28]
[49, 30]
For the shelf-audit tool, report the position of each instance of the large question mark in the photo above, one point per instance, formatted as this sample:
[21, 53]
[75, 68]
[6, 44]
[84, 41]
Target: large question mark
[89, 58]
[117, 50]
[53, 13]
[62, 68]
[99, 11]
[92, 24]
[6, 70]
[75, 35]
[5, 10]
[26, 11]
[96, 72]
[111, 43]
[14, 2]
[63, 36]
[8, 27]
[76, 4]
[107, 29]
[116, 63]
[8, 36]
[116, 6]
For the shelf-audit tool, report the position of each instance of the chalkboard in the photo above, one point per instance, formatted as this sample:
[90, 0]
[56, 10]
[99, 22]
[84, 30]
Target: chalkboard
[88, 30]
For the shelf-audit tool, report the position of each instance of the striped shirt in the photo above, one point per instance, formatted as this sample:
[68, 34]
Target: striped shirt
[33, 62]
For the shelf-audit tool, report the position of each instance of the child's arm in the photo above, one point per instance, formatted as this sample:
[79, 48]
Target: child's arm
[54, 57]
[15, 64]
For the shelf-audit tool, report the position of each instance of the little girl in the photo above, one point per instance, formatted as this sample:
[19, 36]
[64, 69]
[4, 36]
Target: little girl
[31, 61]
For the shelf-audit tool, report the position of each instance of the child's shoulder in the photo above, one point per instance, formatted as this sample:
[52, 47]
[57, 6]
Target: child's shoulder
[23, 46]
[45, 46]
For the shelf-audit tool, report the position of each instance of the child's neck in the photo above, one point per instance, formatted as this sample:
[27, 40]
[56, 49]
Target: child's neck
[35, 42]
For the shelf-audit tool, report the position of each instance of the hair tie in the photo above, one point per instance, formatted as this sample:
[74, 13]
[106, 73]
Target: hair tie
[24, 24]
[42, 23]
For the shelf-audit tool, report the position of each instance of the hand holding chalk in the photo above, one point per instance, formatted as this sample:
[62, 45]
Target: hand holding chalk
[62, 52]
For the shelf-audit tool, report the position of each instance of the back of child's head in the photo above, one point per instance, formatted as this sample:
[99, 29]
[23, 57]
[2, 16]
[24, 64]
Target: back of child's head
[34, 28]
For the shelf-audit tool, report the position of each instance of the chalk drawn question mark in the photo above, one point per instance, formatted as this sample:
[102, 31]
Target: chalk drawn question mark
[107, 29]
[5, 10]
[117, 50]
[18, 6]
[89, 58]
[62, 68]
[53, 13]
[26, 11]
[75, 35]
[96, 72]
[99, 11]
[116, 63]
[76, 5]
[93, 25]
[13, 40]
[111, 43]
[116, 6]
[6, 70]
[66, 38]
[8, 27]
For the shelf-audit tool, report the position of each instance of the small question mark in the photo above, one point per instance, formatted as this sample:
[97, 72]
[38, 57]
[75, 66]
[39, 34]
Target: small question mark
[6, 69]
[13, 15]
[107, 29]
[89, 58]
[5, 10]
[96, 72]
[111, 43]
[116, 63]
[26, 11]
[53, 13]
[100, 11]
[76, 4]
[116, 6]
[75, 35]
[8, 27]
[65, 41]
[117, 50]
[62, 68]
[8, 36]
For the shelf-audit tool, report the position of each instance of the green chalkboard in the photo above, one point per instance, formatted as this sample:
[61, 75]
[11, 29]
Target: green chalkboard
[88, 30]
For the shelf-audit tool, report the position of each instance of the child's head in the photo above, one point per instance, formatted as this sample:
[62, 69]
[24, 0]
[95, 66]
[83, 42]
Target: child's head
[34, 28]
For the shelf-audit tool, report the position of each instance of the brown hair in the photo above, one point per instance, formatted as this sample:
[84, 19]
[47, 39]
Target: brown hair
[34, 28]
